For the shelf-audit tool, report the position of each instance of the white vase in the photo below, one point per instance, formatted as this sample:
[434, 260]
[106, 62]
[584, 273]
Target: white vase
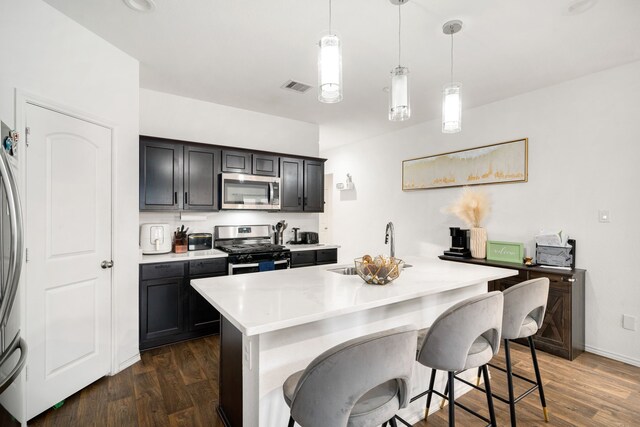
[478, 242]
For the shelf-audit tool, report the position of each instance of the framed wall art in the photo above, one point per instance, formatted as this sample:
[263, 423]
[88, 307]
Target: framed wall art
[490, 164]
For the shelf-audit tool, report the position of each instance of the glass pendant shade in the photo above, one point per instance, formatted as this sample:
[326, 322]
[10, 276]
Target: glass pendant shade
[399, 108]
[330, 69]
[451, 108]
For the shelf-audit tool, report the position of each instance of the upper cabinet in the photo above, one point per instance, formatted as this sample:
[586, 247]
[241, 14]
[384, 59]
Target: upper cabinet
[265, 165]
[291, 184]
[302, 185]
[201, 178]
[180, 175]
[177, 176]
[236, 161]
[160, 175]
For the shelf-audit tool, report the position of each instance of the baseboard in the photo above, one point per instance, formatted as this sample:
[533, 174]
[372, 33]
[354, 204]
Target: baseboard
[130, 361]
[614, 356]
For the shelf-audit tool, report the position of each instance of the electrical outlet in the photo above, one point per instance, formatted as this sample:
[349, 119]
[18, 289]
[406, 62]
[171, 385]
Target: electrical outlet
[603, 215]
[629, 322]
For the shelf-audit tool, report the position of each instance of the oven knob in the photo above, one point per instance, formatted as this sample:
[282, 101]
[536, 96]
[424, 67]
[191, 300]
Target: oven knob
[242, 258]
[249, 258]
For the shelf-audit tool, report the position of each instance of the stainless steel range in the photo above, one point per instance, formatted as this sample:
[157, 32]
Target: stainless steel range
[250, 249]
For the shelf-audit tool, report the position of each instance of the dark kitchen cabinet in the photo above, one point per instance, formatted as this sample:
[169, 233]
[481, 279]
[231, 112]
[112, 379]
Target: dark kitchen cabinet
[313, 257]
[170, 309]
[313, 186]
[201, 178]
[562, 332]
[302, 185]
[236, 161]
[291, 184]
[176, 176]
[265, 165]
[160, 174]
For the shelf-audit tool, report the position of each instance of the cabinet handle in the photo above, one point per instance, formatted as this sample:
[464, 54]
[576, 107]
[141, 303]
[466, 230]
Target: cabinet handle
[175, 198]
[185, 198]
[570, 279]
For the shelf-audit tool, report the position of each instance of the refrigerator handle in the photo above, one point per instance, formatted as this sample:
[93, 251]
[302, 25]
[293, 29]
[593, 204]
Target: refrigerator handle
[16, 344]
[15, 245]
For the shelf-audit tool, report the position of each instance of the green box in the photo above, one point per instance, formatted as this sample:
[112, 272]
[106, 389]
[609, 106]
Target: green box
[505, 251]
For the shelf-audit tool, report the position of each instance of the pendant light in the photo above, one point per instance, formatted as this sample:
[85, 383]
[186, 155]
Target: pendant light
[399, 108]
[451, 103]
[330, 67]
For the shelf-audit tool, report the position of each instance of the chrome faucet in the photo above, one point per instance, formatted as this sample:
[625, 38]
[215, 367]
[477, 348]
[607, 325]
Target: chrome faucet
[388, 238]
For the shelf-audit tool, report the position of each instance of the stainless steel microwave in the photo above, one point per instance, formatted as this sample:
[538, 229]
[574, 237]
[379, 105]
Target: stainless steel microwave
[241, 191]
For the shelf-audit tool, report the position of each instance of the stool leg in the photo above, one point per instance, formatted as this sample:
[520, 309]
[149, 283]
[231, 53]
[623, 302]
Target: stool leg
[446, 393]
[512, 404]
[478, 376]
[532, 347]
[487, 388]
[429, 393]
[291, 422]
[393, 422]
[452, 401]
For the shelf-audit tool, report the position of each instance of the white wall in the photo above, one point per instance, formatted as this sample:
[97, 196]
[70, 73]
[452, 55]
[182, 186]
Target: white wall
[48, 55]
[584, 147]
[177, 117]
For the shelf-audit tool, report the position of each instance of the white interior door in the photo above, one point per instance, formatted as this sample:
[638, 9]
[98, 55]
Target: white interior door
[68, 235]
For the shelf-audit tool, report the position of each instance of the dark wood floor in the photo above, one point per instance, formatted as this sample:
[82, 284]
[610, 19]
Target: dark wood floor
[178, 386]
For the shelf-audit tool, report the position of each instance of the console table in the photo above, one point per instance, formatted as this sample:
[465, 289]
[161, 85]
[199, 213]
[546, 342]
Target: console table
[562, 332]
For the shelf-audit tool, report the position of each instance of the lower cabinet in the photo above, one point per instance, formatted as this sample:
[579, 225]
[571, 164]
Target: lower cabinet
[313, 257]
[170, 309]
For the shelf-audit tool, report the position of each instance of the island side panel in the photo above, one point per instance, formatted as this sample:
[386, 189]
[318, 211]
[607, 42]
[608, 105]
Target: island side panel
[286, 351]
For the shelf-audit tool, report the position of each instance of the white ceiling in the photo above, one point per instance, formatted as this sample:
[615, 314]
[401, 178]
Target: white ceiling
[239, 52]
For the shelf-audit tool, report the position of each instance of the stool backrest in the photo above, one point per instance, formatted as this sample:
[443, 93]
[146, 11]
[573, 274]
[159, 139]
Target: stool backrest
[334, 381]
[524, 299]
[449, 339]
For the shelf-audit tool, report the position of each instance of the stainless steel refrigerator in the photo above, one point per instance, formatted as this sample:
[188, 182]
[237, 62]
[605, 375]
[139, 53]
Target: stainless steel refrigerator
[11, 249]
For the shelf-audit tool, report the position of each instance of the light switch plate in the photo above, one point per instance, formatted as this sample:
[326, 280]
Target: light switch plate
[629, 322]
[604, 216]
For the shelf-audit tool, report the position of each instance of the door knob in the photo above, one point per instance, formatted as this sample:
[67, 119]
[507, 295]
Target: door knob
[106, 264]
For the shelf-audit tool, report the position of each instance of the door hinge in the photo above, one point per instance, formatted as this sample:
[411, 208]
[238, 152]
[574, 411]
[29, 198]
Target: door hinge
[26, 255]
[27, 132]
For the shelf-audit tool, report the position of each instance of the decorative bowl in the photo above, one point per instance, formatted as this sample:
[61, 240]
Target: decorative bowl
[379, 270]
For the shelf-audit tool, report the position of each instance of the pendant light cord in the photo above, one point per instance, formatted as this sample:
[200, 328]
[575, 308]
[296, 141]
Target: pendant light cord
[399, 28]
[330, 33]
[452, 54]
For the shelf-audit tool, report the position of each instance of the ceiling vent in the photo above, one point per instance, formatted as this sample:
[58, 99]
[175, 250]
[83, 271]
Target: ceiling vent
[295, 86]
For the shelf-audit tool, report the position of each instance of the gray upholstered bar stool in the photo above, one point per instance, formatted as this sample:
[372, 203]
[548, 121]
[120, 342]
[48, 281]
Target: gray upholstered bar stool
[465, 336]
[524, 307]
[360, 383]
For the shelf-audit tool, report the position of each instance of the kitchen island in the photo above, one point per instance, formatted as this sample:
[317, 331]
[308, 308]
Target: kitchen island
[274, 323]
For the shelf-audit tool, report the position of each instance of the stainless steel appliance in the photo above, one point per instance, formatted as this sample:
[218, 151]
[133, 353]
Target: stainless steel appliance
[10, 265]
[155, 239]
[240, 191]
[200, 241]
[250, 249]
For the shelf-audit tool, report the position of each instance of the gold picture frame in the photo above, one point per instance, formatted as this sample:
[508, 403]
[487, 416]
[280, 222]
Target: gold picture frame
[505, 162]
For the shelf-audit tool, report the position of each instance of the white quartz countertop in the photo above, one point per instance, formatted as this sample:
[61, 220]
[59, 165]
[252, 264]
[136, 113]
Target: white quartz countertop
[316, 246]
[267, 301]
[187, 256]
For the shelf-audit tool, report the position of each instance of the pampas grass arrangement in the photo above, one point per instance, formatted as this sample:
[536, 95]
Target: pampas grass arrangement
[472, 207]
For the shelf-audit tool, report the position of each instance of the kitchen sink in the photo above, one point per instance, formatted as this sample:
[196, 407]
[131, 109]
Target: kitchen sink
[351, 271]
[347, 271]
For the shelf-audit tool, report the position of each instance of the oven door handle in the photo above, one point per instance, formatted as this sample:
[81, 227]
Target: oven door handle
[254, 264]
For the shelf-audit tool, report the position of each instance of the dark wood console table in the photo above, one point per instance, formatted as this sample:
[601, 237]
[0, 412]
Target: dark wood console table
[562, 332]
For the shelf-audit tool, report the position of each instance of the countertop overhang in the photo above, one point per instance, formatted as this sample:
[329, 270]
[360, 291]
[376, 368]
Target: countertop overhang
[268, 301]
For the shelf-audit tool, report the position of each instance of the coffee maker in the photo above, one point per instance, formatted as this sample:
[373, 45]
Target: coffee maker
[460, 242]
